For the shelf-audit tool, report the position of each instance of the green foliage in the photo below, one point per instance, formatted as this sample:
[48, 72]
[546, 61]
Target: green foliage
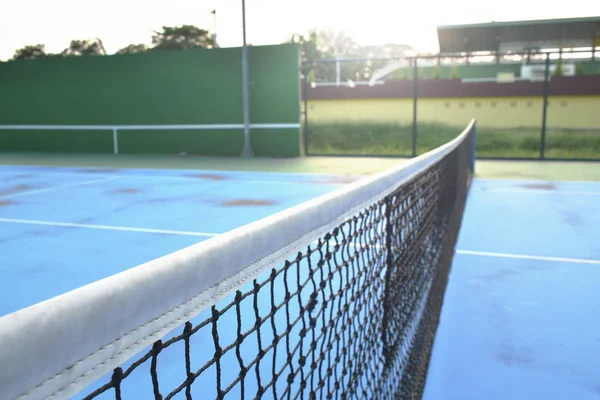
[558, 71]
[437, 72]
[454, 73]
[317, 45]
[579, 70]
[132, 49]
[30, 52]
[93, 47]
[183, 37]
[383, 138]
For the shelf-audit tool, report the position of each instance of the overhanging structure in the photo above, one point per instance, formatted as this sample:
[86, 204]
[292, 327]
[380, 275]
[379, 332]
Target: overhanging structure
[520, 36]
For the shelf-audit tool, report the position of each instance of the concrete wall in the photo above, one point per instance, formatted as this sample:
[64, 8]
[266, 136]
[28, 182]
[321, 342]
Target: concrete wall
[563, 111]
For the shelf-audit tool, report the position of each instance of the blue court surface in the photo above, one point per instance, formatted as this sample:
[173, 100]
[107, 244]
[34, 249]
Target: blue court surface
[62, 228]
[521, 316]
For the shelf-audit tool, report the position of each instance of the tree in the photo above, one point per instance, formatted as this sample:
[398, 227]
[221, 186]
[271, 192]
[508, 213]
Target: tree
[92, 47]
[319, 45]
[183, 37]
[309, 45]
[31, 52]
[133, 48]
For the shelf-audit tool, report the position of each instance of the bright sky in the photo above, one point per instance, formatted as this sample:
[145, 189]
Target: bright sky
[121, 22]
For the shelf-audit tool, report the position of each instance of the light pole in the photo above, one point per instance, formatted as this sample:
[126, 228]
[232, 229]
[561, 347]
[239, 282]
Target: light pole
[247, 151]
[214, 13]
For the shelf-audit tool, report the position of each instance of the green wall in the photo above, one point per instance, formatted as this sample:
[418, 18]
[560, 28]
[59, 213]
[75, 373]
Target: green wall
[199, 86]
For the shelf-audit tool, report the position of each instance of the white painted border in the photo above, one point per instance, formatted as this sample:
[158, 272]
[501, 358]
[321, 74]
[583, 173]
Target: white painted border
[528, 257]
[85, 338]
[105, 227]
[556, 191]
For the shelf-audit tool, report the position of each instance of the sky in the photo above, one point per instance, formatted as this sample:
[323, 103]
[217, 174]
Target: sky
[121, 22]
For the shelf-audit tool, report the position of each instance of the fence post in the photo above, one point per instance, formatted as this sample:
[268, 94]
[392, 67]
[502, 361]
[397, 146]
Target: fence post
[474, 149]
[305, 100]
[247, 150]
[415, 100]
[545, 109]
[115, 141]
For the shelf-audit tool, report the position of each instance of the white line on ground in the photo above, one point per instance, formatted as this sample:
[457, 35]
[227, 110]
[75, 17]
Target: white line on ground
[540, 191]
[54, 188]
[207, 234]
[344, 179]
[537, 181]
[528, 257]
[106, 227]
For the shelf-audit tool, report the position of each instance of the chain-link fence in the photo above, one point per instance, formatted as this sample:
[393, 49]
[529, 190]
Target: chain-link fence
[536, 105]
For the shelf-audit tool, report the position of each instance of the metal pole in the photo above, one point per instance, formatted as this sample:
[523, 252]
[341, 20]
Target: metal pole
[415, 97]
[115, 141]
[247, 151]
[214, 13]
[305, 70]
[545, 109]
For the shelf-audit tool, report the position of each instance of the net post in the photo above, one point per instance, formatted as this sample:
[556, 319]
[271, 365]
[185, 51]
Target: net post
[115, 141]
[474, 146]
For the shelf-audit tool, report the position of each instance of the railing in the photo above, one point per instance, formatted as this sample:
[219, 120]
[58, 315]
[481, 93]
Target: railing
[116, 128]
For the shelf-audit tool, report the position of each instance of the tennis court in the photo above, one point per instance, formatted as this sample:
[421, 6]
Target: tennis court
[62, 228]
[520, 318]
[301, 309]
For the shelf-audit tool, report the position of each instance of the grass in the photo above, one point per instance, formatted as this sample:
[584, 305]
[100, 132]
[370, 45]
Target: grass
[390, 139]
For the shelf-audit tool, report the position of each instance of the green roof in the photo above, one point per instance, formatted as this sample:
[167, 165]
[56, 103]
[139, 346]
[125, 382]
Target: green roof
[492, 36]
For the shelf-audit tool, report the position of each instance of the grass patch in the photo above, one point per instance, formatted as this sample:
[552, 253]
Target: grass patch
[390, 139]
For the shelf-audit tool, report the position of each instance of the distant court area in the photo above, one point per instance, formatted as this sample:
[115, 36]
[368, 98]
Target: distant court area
[520, 315]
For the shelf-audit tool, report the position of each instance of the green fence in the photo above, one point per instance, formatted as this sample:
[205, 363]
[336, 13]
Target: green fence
[186, 92]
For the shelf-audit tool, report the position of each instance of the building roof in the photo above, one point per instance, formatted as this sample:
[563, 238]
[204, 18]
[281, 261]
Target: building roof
[516, 36]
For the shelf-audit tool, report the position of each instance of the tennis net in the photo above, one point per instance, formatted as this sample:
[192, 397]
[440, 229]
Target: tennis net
[336, 298]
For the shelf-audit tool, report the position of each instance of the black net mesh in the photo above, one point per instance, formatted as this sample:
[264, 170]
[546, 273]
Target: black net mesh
[351, 316]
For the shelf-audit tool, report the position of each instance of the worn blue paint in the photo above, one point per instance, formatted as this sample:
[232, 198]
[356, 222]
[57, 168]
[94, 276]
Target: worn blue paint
[510, 329]
[39, 262]
[522, 329]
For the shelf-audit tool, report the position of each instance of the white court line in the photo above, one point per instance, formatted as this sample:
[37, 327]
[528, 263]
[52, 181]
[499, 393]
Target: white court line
[207, 234]
[528, 257]
[536, 181]
[539, 191]
[227, 179]
[105, 227]
[54, 188]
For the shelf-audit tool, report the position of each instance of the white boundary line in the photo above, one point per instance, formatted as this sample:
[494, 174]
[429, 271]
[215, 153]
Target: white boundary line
[539, 191]
[229, 179]
[106, 227]
[536, 181]
[528, 257]
[54, 188]
[209, 234]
